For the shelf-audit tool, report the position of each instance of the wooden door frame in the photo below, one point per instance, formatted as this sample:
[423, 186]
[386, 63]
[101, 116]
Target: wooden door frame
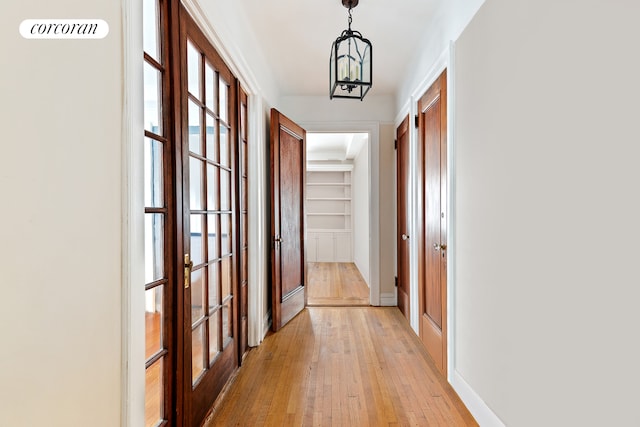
[373, 129]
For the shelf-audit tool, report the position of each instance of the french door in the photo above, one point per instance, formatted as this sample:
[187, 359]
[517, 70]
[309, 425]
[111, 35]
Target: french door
[206, 163]
[195, 162]
[159, 220]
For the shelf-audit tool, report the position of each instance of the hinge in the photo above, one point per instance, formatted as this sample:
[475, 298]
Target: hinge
[395, 144]
[396, 281]
[417, 121]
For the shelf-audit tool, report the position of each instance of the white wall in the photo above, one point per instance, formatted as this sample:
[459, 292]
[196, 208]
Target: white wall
[234, 40]
[360, 214]
[322, 109]
[547, 208]
[445, 26]
[60, 222]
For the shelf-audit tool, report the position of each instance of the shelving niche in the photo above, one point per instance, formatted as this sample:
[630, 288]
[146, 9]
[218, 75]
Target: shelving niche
[329, 208]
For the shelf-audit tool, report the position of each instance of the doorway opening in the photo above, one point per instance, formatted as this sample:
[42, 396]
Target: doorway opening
[338, 219]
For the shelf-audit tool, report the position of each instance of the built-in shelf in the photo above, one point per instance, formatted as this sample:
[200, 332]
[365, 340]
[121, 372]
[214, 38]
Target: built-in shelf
[329, 220]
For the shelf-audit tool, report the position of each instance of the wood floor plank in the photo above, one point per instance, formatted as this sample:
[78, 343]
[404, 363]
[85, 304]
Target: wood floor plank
[335, 284]
[341, 366]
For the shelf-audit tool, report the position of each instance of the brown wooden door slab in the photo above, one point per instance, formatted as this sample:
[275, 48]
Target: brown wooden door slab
[432, 266]
[402, 182]
[208, 229]
[288, 267]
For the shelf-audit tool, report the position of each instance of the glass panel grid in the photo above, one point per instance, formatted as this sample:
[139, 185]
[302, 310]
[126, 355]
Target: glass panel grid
[154, 393]
[197, 295]
[210, 88]
[212, 187]
[197, 247]
[214, 286]
[154, 247]
[153, 321]
[225, 278]
[196, 185]
[212, 237]
[211, 145]
[225, 155]
[223, 93]
[152, 99]
[197, 352]
[225, 234]
[150, 26]
[194, 71]
[153, 173]
[225, 190]
[195, 121]
[214, 340]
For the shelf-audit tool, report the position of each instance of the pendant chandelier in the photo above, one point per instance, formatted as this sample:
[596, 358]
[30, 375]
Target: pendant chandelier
[350, 69]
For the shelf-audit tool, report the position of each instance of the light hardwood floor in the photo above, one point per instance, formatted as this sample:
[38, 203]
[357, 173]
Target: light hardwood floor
[335, 284]
[338, 366]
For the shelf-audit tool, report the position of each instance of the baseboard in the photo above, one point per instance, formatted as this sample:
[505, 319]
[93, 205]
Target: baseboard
[389, 299]
[266, 324]
[478, 408]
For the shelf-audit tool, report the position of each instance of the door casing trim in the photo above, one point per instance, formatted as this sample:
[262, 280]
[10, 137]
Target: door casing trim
[373, 129]
[132, 233]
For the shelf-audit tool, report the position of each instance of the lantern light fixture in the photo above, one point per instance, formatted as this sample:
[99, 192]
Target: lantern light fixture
[350, 64]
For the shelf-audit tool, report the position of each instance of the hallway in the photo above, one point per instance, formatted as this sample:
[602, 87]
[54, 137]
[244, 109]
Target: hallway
[335, 284]
[341, 367]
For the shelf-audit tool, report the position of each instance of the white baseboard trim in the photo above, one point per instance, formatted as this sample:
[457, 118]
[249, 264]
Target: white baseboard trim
[266, 324]
[388, 299]
[478, 408]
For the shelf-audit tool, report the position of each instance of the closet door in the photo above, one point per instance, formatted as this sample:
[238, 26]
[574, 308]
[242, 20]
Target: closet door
[288, 266]
[402, 191]
[432, 246]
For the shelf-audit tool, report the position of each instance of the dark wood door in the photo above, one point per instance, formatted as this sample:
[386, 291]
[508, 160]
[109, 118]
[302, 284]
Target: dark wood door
[288, 267]
[432, 266]
[402, 182]
[209, 256]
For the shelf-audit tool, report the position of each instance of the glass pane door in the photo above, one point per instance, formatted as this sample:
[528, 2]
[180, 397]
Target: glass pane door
[158, 287]
[209, 215]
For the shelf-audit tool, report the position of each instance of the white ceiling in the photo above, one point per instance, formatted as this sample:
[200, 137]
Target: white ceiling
[296, 37]
[334, 146]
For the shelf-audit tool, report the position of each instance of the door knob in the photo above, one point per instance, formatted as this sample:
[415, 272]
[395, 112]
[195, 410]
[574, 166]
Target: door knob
[404, 236]
[437, 247]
